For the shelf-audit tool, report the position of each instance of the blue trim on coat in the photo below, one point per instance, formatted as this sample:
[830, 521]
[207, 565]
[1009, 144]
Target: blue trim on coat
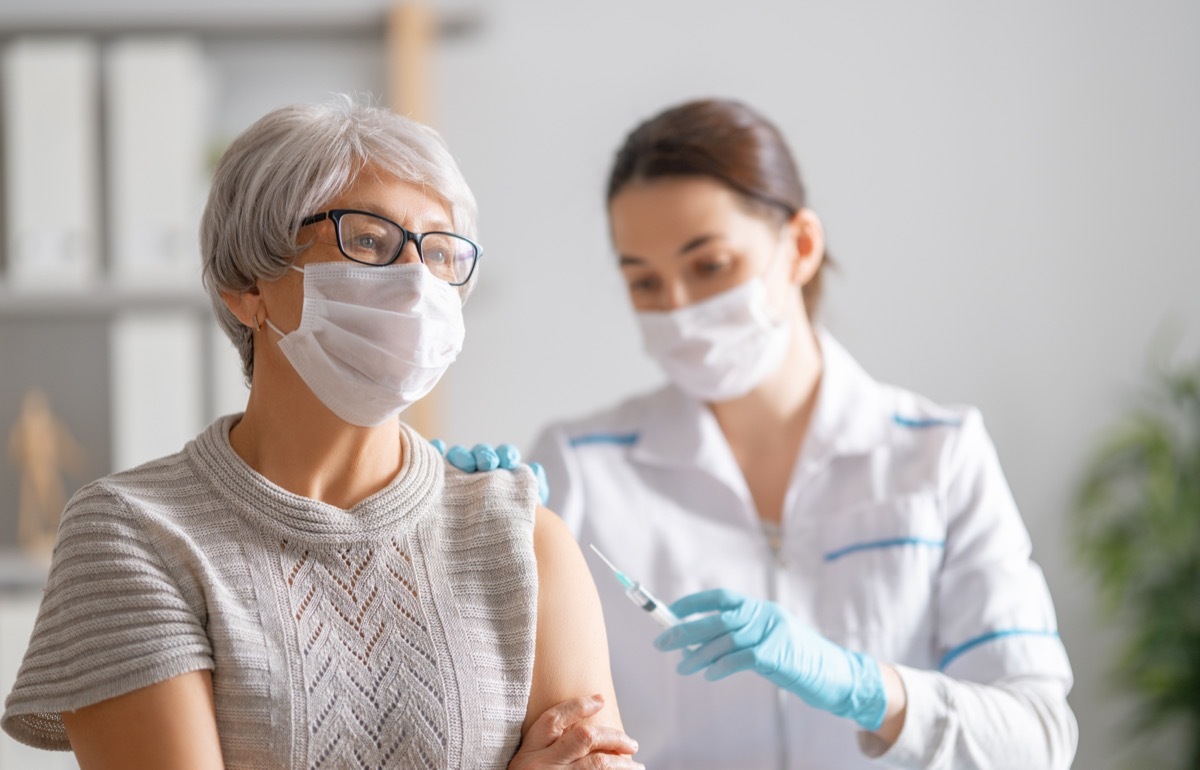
[989, 637]
[927, 422]
[891, 543]
[620, 439]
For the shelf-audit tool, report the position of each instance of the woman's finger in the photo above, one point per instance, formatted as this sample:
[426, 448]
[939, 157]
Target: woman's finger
[582, 740]
[556, 720]
[607, 762]
[612, 740]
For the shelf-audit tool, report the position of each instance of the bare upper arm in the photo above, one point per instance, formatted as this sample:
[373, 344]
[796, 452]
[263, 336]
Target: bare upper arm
[168, 724]
[571, 655]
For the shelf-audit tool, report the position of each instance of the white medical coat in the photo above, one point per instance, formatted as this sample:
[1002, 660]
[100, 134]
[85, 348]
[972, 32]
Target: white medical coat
[899, 538]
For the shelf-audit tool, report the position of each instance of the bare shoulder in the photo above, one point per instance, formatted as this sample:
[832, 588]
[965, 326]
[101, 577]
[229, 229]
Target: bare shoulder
[571, 656]
[552, 541]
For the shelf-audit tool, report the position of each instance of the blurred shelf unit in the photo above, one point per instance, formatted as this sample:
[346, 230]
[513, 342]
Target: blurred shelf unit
[110, 126]
[102, 299]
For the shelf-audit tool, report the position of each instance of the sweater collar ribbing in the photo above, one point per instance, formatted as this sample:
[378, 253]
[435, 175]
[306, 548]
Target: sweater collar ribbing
[393, 511]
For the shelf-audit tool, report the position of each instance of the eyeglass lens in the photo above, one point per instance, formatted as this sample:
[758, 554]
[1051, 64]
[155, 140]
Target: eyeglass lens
[375, 241]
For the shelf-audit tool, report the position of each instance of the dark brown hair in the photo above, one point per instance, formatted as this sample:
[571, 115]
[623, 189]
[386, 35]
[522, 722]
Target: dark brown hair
[728, 142]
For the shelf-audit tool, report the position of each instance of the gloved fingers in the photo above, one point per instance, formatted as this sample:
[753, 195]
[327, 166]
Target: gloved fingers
[543, 484]
[704, 655]
[744, 634]
[482, 457]
[695, 632]
[713, 600]
[485, 457]
[509, 456]
[742, 660]
[462, 458]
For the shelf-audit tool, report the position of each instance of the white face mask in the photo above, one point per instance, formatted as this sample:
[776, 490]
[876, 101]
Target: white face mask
[720, 348]
[373, 340]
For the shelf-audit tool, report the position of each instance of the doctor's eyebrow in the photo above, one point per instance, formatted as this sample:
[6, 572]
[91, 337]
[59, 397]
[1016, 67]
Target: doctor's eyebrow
[697, 242]
[691, 245]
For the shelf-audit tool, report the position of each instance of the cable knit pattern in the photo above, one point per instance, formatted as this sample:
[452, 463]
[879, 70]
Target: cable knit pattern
[399, 633]
[366, 657]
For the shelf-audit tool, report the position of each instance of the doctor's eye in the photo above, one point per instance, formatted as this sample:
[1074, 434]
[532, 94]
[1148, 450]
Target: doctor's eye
[711, 267]
[644, 285]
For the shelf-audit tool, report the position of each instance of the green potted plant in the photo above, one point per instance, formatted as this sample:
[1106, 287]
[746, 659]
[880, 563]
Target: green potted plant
[1138, 524]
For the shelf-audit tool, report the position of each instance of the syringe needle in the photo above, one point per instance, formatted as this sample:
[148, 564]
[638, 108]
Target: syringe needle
[639, 595]
[606, 561]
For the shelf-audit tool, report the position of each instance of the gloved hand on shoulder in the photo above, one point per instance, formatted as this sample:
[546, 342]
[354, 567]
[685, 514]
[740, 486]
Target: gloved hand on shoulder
[744, 634]
[482, 457]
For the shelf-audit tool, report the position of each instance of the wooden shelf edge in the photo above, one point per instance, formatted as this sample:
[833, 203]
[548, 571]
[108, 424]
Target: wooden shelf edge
[103, 299]
[448, 24]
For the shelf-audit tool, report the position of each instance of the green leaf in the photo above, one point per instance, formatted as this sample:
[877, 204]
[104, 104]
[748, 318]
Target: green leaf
[1136, 522]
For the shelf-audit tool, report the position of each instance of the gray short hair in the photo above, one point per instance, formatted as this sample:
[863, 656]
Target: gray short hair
[290, 164]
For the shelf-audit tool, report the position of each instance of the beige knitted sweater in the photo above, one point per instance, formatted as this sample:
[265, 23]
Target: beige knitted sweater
[399, 633]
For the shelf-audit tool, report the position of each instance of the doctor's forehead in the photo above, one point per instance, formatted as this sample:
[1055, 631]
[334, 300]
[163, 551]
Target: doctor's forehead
[666, 217]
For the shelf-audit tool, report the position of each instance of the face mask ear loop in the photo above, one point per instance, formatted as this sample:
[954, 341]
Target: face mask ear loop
[780, 239]
[267, 321]
[273, 327]
[775, 315]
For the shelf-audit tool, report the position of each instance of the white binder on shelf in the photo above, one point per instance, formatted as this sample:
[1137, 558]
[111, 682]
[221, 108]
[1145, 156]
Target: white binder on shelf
[157, 386]
[156, 119]
[51, 156]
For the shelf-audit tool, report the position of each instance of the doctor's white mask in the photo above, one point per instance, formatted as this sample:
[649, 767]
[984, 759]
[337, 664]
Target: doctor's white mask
[722, 347]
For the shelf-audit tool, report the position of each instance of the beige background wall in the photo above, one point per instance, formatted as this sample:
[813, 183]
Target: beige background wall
[1011, 191]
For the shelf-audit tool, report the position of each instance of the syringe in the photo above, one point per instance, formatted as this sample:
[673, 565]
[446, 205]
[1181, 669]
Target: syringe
[640, 596]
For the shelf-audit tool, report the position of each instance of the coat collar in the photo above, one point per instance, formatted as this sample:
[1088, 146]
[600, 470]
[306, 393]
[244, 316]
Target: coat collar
[853, 414]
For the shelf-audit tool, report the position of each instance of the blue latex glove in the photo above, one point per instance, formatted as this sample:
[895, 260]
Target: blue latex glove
[482, 457]
[748, 634]
[479, 458]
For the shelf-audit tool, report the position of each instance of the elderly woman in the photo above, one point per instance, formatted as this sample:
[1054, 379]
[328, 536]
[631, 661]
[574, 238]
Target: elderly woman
[307, 584]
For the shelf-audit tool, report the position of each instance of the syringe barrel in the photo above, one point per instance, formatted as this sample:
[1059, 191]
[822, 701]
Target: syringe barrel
[649, 603]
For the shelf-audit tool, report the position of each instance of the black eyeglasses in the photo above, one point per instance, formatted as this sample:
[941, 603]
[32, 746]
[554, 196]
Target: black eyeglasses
[374, 240]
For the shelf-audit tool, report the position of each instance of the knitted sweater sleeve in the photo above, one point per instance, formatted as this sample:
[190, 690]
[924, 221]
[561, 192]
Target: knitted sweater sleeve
[113, 619]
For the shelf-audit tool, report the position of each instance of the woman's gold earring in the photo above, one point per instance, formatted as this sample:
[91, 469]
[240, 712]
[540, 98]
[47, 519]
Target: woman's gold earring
[257, 325]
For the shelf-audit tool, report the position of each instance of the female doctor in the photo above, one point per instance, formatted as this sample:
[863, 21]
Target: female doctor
[852, 572]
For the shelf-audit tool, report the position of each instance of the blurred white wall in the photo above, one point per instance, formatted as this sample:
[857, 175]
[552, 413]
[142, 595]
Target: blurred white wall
[1011, 191]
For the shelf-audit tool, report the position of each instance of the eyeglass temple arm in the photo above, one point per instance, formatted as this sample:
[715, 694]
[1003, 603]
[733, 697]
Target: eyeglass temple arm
[314, 219]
